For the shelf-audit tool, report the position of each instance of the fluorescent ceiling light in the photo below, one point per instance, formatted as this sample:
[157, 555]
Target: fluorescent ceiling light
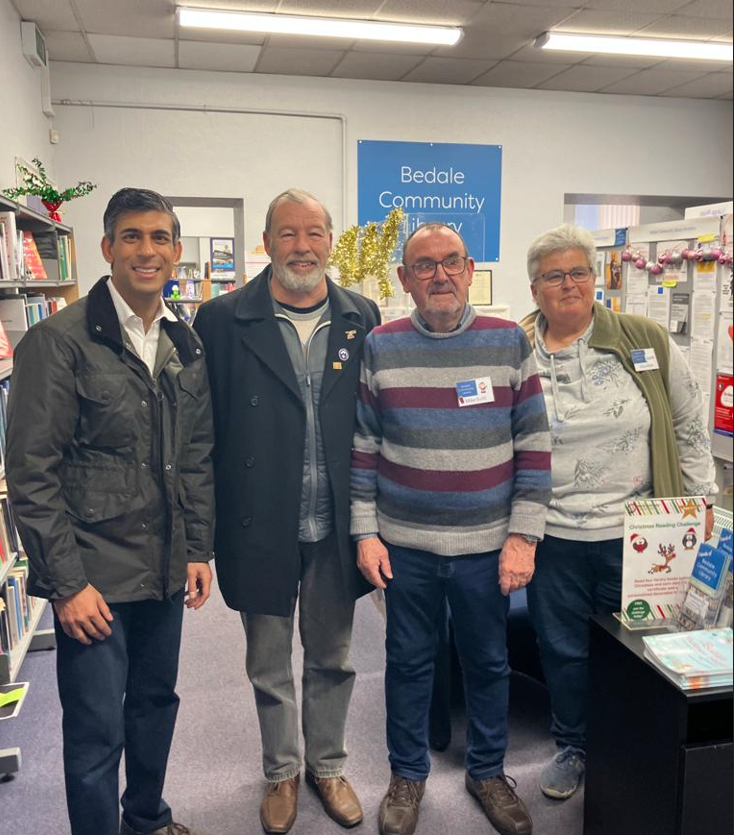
[655, 47]
[327, 27]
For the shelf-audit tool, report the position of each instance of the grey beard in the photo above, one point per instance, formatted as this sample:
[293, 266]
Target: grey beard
[297, 282]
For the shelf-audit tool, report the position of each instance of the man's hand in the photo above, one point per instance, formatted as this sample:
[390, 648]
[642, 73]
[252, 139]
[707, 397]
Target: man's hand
[373, 561]
[709, 524]
[84, 615]
[517, 563]
[198, 584]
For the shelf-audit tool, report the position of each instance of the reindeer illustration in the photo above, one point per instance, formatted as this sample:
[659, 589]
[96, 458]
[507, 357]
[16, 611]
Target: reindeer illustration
[667, 554]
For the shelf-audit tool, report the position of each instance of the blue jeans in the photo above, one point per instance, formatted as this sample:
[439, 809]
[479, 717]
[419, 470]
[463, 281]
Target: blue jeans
[421, 582]
[118, 694]
[573, 581]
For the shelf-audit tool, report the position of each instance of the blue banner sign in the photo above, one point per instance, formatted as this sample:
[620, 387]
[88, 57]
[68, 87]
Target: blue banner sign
[459, 185]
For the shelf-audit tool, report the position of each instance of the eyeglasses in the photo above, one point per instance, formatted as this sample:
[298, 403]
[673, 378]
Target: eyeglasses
[426, 269]
[554, 278]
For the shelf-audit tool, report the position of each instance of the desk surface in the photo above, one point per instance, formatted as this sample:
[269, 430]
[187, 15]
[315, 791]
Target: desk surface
[632, 640]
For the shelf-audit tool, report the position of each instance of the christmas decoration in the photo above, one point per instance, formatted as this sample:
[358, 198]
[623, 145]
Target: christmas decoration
[361, 252]
[37, 184]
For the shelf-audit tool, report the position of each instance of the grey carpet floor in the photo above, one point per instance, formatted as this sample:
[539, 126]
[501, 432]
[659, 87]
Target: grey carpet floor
[214, 778]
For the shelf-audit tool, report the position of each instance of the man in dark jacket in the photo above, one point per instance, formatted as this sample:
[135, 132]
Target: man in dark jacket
[283, 354]
[109, 470]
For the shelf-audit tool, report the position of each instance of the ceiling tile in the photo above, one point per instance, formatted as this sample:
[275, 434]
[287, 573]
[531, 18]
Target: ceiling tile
[661, 7]
[585, 79]
[297, 61]
[448, 70]
[133, 18]
[500, 29]
[708, 87]
[517, 74]
[48, 16]
[234, 5]
[330, 8]
[695, 66]
[650, 82]
[726, 96]
[67, 46]
[677, 26]
[226, 57]
[440, 12]
[707, 8]
[134, 52]
[608, 22]
[376, 66]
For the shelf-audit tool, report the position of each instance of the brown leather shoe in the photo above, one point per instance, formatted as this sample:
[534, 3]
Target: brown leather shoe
[169, 829]
[280, 805]
[338, 798]
[399, 807]
[505, 810]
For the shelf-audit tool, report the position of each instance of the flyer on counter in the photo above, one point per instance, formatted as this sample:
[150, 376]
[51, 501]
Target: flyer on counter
[661, 539]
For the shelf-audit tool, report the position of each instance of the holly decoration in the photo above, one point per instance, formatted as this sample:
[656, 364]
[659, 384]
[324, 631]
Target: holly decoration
[37, 184]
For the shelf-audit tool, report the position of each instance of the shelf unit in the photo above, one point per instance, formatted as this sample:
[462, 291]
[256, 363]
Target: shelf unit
[47, 234]
[33, 639]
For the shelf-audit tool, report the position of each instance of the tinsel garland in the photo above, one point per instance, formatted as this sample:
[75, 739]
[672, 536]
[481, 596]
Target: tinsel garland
[39, 186]
[362, 252]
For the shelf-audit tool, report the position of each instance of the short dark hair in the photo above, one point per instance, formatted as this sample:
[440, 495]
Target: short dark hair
[433, 226]
[137, 200]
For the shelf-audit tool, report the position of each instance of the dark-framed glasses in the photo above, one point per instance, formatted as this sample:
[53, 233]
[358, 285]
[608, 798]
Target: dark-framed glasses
[554, 278]
[425, 269]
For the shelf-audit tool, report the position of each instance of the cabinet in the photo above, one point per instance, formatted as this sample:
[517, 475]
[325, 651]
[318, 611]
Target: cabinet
[658, 759]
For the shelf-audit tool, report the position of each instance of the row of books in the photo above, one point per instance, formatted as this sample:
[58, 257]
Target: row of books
[707, 598]
[20, 311]
[16, 605]
[29, 256]
[4, 392]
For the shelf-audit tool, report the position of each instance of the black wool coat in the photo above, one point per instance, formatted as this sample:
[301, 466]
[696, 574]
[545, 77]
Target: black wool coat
[260, 429]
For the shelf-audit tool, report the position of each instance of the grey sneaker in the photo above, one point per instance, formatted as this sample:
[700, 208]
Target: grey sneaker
[562, 775]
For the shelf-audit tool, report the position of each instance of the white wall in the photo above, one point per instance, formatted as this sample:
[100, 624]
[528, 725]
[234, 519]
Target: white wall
[553, 143]
[24, 130]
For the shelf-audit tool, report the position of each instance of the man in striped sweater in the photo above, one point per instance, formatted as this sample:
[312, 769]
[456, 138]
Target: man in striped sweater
[449, 487]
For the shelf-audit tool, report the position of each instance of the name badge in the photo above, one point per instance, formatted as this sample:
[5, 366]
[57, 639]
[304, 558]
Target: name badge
[644, 359]
[474, 392]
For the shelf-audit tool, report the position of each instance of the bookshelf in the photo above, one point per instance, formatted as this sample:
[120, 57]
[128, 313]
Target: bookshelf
[52, 252]
[23, 635]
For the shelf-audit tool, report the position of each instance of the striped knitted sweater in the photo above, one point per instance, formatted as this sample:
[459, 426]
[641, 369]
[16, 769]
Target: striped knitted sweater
[429, 474]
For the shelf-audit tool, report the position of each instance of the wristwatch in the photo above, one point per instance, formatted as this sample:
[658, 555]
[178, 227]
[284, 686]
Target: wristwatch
[530, 539]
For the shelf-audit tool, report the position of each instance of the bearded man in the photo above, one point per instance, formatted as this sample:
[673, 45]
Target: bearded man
[283, 354]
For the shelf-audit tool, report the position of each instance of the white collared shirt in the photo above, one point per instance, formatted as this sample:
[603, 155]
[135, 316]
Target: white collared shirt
[144, 344]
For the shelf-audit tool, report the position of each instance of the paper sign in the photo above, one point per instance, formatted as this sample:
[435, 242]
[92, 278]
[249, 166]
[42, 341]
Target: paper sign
[661, 539]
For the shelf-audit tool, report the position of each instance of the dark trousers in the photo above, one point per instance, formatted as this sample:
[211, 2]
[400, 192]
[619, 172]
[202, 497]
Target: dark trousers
[118, 694]
[573, 580]
[421, 584]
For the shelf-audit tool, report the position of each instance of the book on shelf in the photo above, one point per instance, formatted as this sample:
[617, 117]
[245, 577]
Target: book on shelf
[693, 660]
[4, 265]
[10, 242]
[32, 262]
[14, 317]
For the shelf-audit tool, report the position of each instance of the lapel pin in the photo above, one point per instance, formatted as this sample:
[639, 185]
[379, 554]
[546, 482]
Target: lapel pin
[343, 354]
[350, 334]
[337, 366]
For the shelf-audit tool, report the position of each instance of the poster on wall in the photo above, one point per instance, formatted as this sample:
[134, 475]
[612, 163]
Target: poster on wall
[222, 258]
[724, 405]
[661, 539]
[452, 183]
